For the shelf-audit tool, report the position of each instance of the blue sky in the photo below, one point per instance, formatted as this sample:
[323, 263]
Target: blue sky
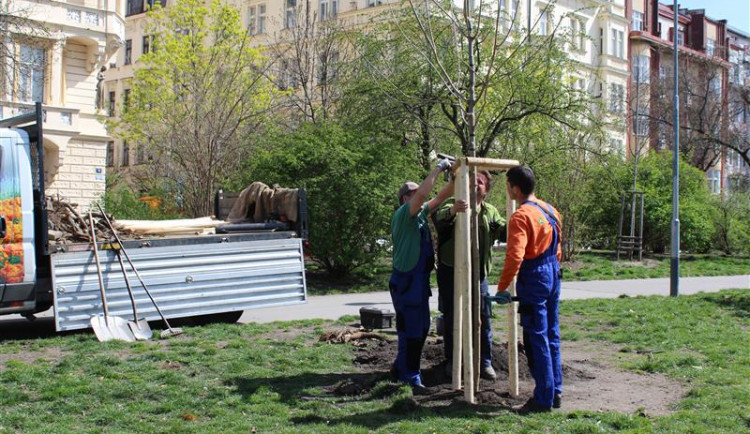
[736, 12]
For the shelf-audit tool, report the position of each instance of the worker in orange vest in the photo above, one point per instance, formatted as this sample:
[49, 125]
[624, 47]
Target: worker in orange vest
[534, 253]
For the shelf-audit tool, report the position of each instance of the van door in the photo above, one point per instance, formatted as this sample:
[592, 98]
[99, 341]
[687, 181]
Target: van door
[12, 267]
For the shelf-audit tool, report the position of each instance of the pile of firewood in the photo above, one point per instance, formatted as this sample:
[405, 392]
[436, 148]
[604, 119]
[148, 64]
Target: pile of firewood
[348, 334]
[67, 225]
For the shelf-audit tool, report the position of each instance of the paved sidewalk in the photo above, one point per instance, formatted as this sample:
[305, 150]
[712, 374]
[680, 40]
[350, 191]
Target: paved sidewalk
[336, 306]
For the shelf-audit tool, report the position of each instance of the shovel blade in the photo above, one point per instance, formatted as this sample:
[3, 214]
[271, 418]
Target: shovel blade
[120, 330]
[101, 329]
[111, 328]
[141, 330]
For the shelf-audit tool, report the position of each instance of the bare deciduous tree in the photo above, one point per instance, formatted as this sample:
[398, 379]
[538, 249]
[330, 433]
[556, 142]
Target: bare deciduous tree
[309, 53]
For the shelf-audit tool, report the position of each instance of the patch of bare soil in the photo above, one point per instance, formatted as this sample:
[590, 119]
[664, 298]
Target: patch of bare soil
[573, 265]
[591, 381]
[28, 355]
[287, 335]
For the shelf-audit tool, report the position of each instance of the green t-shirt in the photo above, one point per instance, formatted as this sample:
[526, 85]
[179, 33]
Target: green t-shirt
[491, 228]
[406, 237]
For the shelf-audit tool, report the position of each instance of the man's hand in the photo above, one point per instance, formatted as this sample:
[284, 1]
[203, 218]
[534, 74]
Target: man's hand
[503, 297]
[460, 206]
[444, 164]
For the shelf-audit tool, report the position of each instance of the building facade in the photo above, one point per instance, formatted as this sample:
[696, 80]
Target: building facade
[736, 172]
[54, 54]
[711, 83]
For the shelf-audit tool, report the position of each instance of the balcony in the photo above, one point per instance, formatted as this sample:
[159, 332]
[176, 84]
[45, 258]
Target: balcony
[59, 120]
[99, 16]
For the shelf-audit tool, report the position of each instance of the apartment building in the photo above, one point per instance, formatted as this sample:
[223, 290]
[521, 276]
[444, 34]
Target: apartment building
[707, 78]
[735, 172]
[54, 52]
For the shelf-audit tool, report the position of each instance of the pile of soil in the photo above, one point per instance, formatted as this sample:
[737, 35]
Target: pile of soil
[591, 380]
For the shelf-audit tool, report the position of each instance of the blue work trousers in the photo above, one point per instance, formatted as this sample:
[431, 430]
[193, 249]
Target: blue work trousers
[445, 305]
[538, 289]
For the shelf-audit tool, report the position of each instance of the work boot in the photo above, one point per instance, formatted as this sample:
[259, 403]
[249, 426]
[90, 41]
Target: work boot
[557, 401]
[488, 373]
[531, 406]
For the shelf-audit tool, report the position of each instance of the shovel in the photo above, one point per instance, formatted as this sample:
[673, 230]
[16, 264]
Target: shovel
[107, 328]
[169, 331]
[139, 327]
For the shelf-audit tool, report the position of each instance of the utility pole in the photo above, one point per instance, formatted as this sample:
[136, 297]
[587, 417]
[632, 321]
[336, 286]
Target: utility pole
[674, 277]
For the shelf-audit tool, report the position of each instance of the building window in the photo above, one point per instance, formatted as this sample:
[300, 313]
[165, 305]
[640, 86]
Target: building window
[714, 86]
[710, 46]
[503, 13]
[328, 9]
[373, 3]
[615, 145]
[152, 3]
[681, 36]
[616, 97]
[133, 7]
[641, 122]
[125, 153]
[31, 74]
[577, 34]
[544, 23]
[252, 20]
[714, 181]
[287, 75]
[146, 44]
[290, 17]
[140, 154]
[637, 22]
[110, 154]
[616, 47]
[128, 52]
[261, 19]
[111, 104]
[125, 100]
[641, 69]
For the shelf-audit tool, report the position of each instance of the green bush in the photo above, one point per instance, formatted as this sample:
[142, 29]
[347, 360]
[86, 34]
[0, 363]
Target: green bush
[697, 211]
[351, 182]
[732, 223]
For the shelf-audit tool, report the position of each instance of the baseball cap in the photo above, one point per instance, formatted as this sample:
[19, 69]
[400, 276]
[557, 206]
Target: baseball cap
[407, 187]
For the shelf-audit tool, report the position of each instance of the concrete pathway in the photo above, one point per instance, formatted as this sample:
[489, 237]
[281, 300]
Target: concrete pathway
[336, 306]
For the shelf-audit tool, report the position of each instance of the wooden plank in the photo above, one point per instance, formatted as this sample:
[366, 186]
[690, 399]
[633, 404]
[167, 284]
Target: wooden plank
[462, 283]
[460, 273]
[491, 163]
[510, 208]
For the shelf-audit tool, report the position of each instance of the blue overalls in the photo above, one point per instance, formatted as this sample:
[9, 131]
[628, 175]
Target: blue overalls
[538, 288]
[410, 292]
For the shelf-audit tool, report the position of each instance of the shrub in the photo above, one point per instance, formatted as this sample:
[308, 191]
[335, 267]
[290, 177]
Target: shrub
[655, 180]
[351, 182]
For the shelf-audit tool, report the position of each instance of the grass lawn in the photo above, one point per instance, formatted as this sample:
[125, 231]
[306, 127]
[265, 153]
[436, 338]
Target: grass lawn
[591, 265]
[605, 266]
[269, 378]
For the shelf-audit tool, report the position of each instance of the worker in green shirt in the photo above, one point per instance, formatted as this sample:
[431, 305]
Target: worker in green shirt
[413, 261]
[491, 228]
